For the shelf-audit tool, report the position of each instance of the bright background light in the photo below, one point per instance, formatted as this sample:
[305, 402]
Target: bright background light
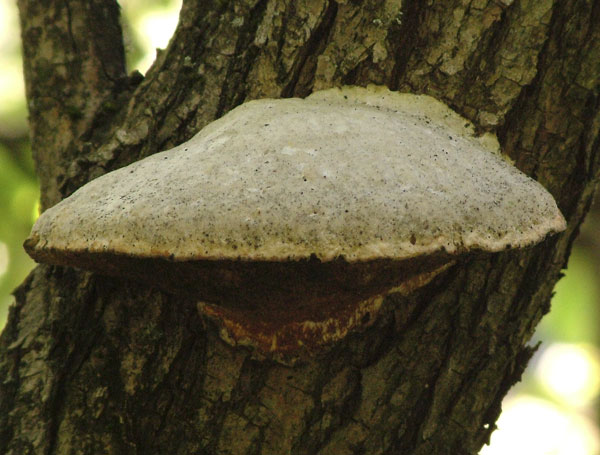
[529, 425]
[12, 87]
[159, 26]
[4, 259]
[571, 373]
[555, 409]
[148, 26]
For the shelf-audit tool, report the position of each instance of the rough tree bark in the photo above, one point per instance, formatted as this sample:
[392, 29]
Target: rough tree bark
[95, 365]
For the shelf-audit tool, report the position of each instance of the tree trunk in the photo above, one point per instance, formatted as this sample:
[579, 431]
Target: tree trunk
[96, 365]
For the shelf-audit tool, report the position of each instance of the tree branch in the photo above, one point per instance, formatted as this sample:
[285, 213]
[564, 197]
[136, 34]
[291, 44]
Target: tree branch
[73, 59]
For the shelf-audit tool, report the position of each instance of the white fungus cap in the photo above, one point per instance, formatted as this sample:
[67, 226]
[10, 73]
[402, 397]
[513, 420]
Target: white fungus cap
[358, 173]
[290, 220]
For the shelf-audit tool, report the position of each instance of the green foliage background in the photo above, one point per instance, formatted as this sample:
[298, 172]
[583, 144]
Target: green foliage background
[18, 186]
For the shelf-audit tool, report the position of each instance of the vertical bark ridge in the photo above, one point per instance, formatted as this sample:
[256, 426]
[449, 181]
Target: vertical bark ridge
[304, 64]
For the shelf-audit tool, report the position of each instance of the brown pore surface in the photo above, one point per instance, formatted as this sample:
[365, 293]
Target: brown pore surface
[280, 307]
[289, 334]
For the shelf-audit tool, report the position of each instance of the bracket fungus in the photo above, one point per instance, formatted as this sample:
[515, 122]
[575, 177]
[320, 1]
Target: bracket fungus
[289, 220]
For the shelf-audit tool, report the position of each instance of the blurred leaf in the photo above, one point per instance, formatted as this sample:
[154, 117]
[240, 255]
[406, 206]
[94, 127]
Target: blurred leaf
[575, 311]
[18, 197]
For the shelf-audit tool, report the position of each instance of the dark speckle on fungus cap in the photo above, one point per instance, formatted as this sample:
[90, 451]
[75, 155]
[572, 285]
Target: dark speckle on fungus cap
[286, 214]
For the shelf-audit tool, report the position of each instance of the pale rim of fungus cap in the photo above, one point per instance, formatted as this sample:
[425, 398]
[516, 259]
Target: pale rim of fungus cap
[352, 176]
